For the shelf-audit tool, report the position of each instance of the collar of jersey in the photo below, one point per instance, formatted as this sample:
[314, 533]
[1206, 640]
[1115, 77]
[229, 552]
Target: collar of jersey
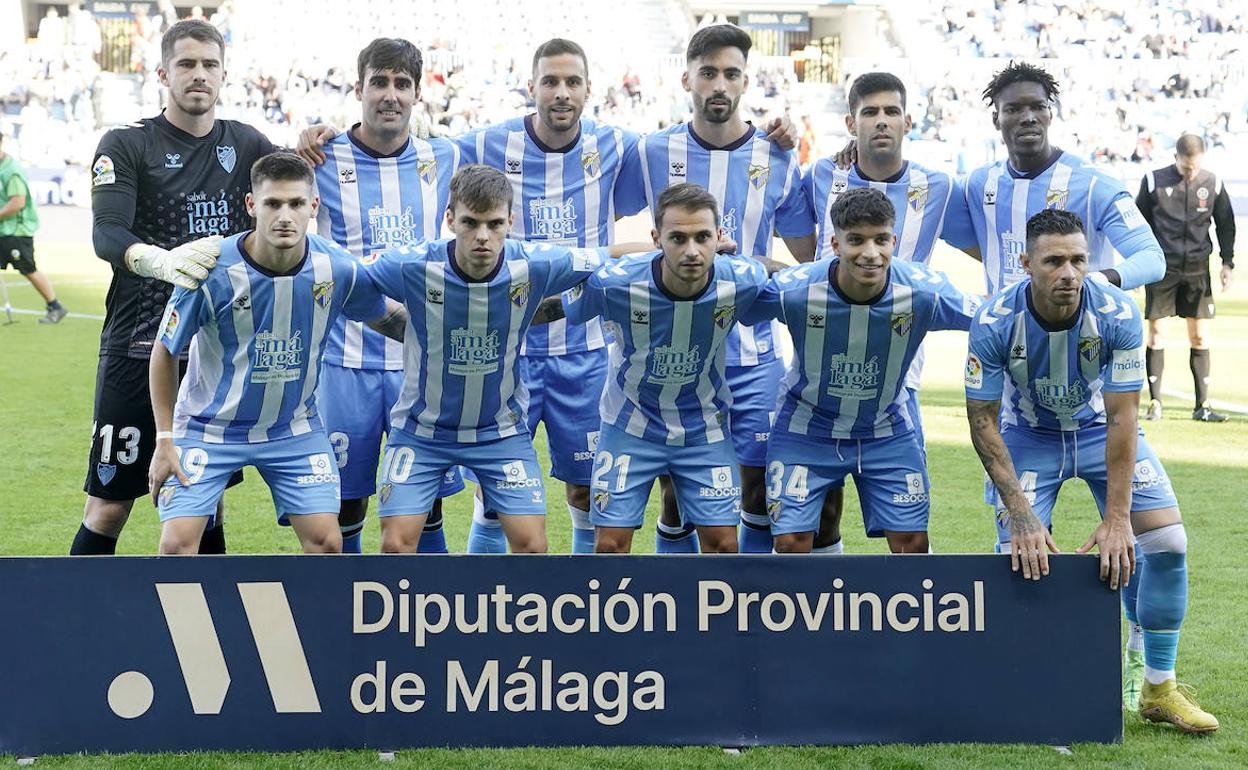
[900, 175]
[747, 136]
[657, 272]
[528, 129]
[364, 148]
[1066, 325]
[211, 136]
[1053, 158]
[836, 287]
[450, 257]
[259, 268]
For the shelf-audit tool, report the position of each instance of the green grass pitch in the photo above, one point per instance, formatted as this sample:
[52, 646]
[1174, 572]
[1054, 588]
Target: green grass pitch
[46, 383]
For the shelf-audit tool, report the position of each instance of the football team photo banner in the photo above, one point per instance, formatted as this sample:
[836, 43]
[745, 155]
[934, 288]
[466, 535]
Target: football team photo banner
[280, 653]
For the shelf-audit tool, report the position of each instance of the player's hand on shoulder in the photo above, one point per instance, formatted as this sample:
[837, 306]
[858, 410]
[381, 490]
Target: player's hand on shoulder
[726, 245]
[782, 133]
[185, 266]
[847, 156]
[311, 141]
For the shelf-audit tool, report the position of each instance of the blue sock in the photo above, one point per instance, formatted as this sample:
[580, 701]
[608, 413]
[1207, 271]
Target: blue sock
[432, 541]
[754, 534]
[1161, 605]
[351, 543]
[1132, 590]
[676, 539]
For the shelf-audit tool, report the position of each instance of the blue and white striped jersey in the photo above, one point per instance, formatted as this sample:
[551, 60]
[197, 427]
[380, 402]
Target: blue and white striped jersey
[666, 383]
[850, 358]
[370, 203]
[1000, 200]
[1053, 378]
[258, 341]
[460, 381]
[565, 196]
[759, 190]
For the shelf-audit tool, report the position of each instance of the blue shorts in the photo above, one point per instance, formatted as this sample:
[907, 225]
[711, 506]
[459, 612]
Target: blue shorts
[755, 390]
[355, 408]
[414, 468]
[565, 393]
[706, 479]
[889, 472]
[1044, 460]
[299, 470]
[916, 418]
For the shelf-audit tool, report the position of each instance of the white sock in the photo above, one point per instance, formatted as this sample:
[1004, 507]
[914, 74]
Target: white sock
[835, 548]
[1135, 637]
[580, 519]
[478, 514]
[1157, 677]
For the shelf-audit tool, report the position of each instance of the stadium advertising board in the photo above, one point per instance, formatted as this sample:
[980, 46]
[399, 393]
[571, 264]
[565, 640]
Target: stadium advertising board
[283, 652]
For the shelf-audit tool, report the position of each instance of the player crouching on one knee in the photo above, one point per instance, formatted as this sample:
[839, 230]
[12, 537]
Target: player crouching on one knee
[260, 321]
[1053, 379]
[857, 322]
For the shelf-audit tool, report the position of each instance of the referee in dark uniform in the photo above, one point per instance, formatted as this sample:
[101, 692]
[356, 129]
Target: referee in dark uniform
[1180, 202]
[156, 186]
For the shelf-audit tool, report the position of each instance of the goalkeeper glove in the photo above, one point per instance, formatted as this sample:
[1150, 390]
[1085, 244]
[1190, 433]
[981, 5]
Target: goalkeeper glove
[184, 265]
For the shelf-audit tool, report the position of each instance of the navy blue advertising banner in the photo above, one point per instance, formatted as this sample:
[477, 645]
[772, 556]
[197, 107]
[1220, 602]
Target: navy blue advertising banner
[283, 653]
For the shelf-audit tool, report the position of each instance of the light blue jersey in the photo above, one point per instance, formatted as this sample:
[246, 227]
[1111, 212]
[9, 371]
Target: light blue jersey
[919, 195]
[850, 358]
[666, 383]
[1000, 200]
[259, 338]
[566, 196]
[461, 383]
[370, 203]
[1053, 378]
[759, 190]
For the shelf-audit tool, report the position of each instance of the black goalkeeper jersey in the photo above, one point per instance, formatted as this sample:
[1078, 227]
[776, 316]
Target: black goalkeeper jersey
[154, 183]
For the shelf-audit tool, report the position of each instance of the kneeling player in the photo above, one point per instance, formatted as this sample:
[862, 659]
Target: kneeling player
[1066, 356]
[260, 321]
[666, 405]
[857, 322]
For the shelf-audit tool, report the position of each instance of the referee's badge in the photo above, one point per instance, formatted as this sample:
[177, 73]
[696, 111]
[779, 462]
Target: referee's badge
[227, 158]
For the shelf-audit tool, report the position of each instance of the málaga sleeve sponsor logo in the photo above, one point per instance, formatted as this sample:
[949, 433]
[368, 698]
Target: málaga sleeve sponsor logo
[201, 659]
[1130, 213]
[1127, 365]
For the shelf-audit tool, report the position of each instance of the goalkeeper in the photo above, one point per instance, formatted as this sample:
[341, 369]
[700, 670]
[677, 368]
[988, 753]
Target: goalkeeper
[163, 192]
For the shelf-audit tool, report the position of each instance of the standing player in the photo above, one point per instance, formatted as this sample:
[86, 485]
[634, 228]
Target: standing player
[857, 323]
[563, 170]
[260, 321]
[471, 299]
[380, 188]
[156, 184]
[1000, 197]
[18, 222]
[878, 123]
[1180, 202]
[666, 407]
[759, 191]
[1066, 356]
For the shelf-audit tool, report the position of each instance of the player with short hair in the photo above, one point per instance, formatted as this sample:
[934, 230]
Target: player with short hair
[1065, 353]
[1000, 197]
[563, 170]
[156, 184]
[18, 223]
[471, 300]
[666, 406]
[260, 322]
[1180, 202]
[878, 123]
[759, 191]
[857, 322]
[379, 188]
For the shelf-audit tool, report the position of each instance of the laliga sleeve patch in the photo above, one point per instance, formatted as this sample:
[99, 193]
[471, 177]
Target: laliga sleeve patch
[1128, 365]
[586, 260]
[974, 372]
[102, 172]
[170, 327]
[1130, 214]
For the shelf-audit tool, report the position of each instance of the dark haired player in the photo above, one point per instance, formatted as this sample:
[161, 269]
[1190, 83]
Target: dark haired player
[1053, 378]
[155, 184]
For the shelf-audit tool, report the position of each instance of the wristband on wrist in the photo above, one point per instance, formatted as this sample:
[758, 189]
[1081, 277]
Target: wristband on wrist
[164, 434]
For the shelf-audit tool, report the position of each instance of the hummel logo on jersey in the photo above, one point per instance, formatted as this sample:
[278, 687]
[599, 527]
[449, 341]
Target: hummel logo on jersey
[815, 320]
[346, 176]
[1018, 352]
[513, 166]
[990, 197]
[227, 158]
[433, 296]
[641, 317]
[173, 160]
[676, 168]
[243, 302]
